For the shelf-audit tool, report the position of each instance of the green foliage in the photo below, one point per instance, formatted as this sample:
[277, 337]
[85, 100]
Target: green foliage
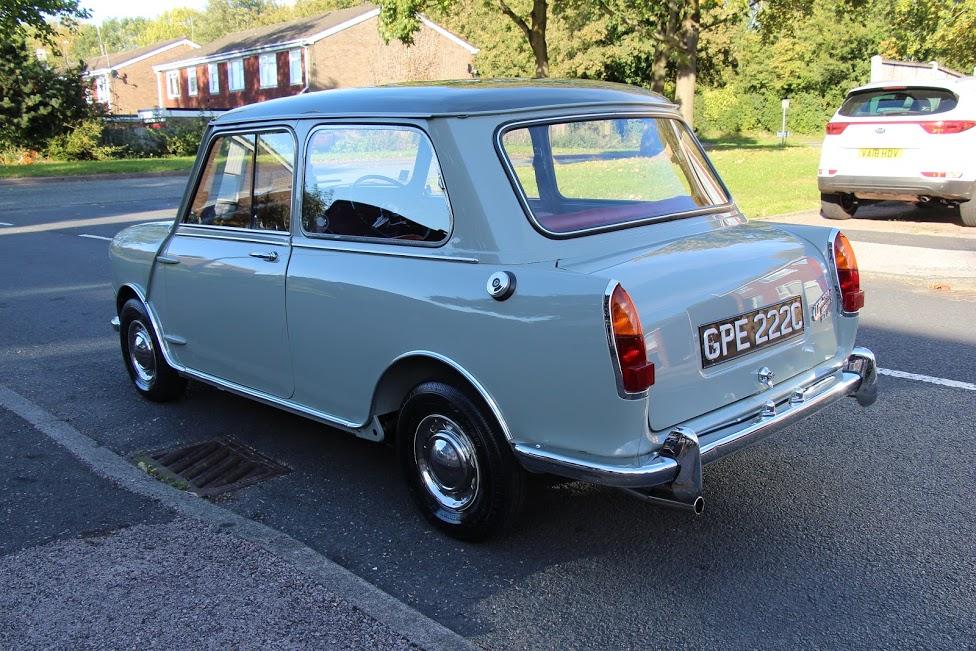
[82, 142]
[37, 102]
[181, 137]
[20, 17]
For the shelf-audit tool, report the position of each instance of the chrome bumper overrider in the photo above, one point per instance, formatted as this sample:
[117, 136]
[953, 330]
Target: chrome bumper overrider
[673, 476]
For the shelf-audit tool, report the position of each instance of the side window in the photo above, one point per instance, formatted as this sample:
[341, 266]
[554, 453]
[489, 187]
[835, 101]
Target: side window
[246, 183]
[374, 182]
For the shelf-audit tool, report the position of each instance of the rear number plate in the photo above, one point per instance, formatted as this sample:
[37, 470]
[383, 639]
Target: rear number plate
[739, 335]
[880, 153]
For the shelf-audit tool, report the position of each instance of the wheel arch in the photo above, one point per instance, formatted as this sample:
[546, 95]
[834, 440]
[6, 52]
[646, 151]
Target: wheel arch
[413, 368]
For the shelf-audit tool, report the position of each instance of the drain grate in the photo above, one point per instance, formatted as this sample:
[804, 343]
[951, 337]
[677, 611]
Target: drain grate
[214, 467]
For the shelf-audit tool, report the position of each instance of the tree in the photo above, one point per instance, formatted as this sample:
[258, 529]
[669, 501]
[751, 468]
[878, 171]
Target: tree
[37, 101]
[400, 20]
[20, 16]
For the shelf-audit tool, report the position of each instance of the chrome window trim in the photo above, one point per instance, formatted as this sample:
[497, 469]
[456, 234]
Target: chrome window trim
[274, 237]
[372, 240]
[315, 245]
[202, 162]
[560, 119]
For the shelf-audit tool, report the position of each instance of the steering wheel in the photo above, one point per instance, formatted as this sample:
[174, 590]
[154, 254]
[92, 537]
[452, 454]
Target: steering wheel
[386, 180]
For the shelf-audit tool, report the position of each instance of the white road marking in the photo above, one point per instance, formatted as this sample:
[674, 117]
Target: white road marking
[5, 224]
[96, 237]
[955, 384]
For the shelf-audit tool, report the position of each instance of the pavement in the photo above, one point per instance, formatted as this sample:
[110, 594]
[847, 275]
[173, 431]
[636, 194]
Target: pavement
[853, 529]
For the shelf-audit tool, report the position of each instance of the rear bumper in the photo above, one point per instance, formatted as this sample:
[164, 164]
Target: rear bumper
[956, 189]
[676, 467]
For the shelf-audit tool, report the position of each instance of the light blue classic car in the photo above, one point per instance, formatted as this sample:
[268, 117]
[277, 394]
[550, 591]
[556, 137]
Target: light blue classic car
[500, 278]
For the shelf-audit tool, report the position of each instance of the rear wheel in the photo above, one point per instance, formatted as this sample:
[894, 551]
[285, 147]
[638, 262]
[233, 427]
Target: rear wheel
[458, 466]
[837, 206]
[967, 212]
[151, 375]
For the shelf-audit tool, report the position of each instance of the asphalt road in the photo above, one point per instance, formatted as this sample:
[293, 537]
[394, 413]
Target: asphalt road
[853, 529]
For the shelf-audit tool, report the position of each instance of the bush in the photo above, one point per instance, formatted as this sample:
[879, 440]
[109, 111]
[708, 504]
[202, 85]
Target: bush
[726, 111]
[181, 136]
[83, 142]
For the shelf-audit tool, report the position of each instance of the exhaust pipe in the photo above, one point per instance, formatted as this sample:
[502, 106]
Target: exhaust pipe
[685, 490]
[663, 496]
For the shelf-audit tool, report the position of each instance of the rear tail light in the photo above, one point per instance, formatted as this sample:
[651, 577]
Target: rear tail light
[627, 343]
[948, 126]
[836, 128]
[848, 277]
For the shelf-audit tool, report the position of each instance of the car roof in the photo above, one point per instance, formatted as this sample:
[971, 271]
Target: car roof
[955, 83]
[449, 98]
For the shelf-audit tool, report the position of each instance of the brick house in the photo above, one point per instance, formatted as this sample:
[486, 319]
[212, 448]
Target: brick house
[125, 82]
[338, 49]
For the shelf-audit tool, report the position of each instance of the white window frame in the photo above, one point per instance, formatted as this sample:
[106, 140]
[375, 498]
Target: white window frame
[173, 84]
[295, 67]
[265, 63]
[213, 77]
[192, 87]
[233, 68]
[102, 94]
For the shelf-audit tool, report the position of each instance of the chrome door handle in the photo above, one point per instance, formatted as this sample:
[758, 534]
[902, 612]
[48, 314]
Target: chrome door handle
[270, 256]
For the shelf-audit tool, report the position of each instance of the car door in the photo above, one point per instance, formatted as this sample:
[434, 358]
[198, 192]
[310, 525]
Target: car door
[223, 269]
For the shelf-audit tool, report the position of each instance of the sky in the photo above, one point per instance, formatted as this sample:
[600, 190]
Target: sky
[102, 9]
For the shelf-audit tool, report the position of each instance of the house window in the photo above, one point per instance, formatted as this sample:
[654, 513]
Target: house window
[191, 81]
[235, 75]
[173, 84]
[101, 89]
[268, 70]
[214, 76]
[295, 67]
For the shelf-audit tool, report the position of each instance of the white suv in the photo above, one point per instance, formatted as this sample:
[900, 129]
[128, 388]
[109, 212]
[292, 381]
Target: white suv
[901, 142]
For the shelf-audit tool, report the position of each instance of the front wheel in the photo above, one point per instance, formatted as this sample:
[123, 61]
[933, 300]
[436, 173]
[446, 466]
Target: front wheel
[152, 376]
[837, 206]
[967, 212]
[458, 466]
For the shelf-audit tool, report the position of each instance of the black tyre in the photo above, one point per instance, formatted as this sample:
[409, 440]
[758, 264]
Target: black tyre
[458, 466]
[967, 212]
[142, 354]
[837, 206]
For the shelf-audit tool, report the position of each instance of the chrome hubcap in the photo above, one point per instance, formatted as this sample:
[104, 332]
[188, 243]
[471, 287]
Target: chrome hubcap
[447, 462]
[142, 356]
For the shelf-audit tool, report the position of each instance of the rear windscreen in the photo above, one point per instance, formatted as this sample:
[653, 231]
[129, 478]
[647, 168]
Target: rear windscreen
[903, 101]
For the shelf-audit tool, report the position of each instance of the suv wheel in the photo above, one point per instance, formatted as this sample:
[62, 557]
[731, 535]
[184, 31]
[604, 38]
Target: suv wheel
[967, 212]
[837, 206]
[152, 376]
[458, 466]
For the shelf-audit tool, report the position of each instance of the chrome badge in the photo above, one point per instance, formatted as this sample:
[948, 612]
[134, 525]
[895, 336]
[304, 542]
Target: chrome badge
[766, 378]
[820, 309]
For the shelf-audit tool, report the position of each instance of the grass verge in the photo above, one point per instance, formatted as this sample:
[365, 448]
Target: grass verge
[84, 168]
[769, 181]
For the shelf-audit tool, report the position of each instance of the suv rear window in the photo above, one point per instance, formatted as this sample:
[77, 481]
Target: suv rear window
[593, 174]
[885, 102]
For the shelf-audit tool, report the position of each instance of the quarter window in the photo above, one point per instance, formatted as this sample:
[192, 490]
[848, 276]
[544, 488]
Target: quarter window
[375, 183]
[295, 67]
[173, 84]
[213, 75]
[235, 75]
[268, 70]
[246, 183]
[191, 81]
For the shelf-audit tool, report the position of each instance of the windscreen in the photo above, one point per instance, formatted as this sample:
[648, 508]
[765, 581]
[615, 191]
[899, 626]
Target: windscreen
[594, 174]
[890, 102]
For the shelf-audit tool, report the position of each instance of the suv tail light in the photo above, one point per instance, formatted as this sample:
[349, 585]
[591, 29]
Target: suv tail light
[848, 277]
[627, 343]
[948, 126]
[836, 128]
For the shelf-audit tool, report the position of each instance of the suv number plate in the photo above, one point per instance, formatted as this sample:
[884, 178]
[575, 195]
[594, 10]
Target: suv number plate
[742, 334]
